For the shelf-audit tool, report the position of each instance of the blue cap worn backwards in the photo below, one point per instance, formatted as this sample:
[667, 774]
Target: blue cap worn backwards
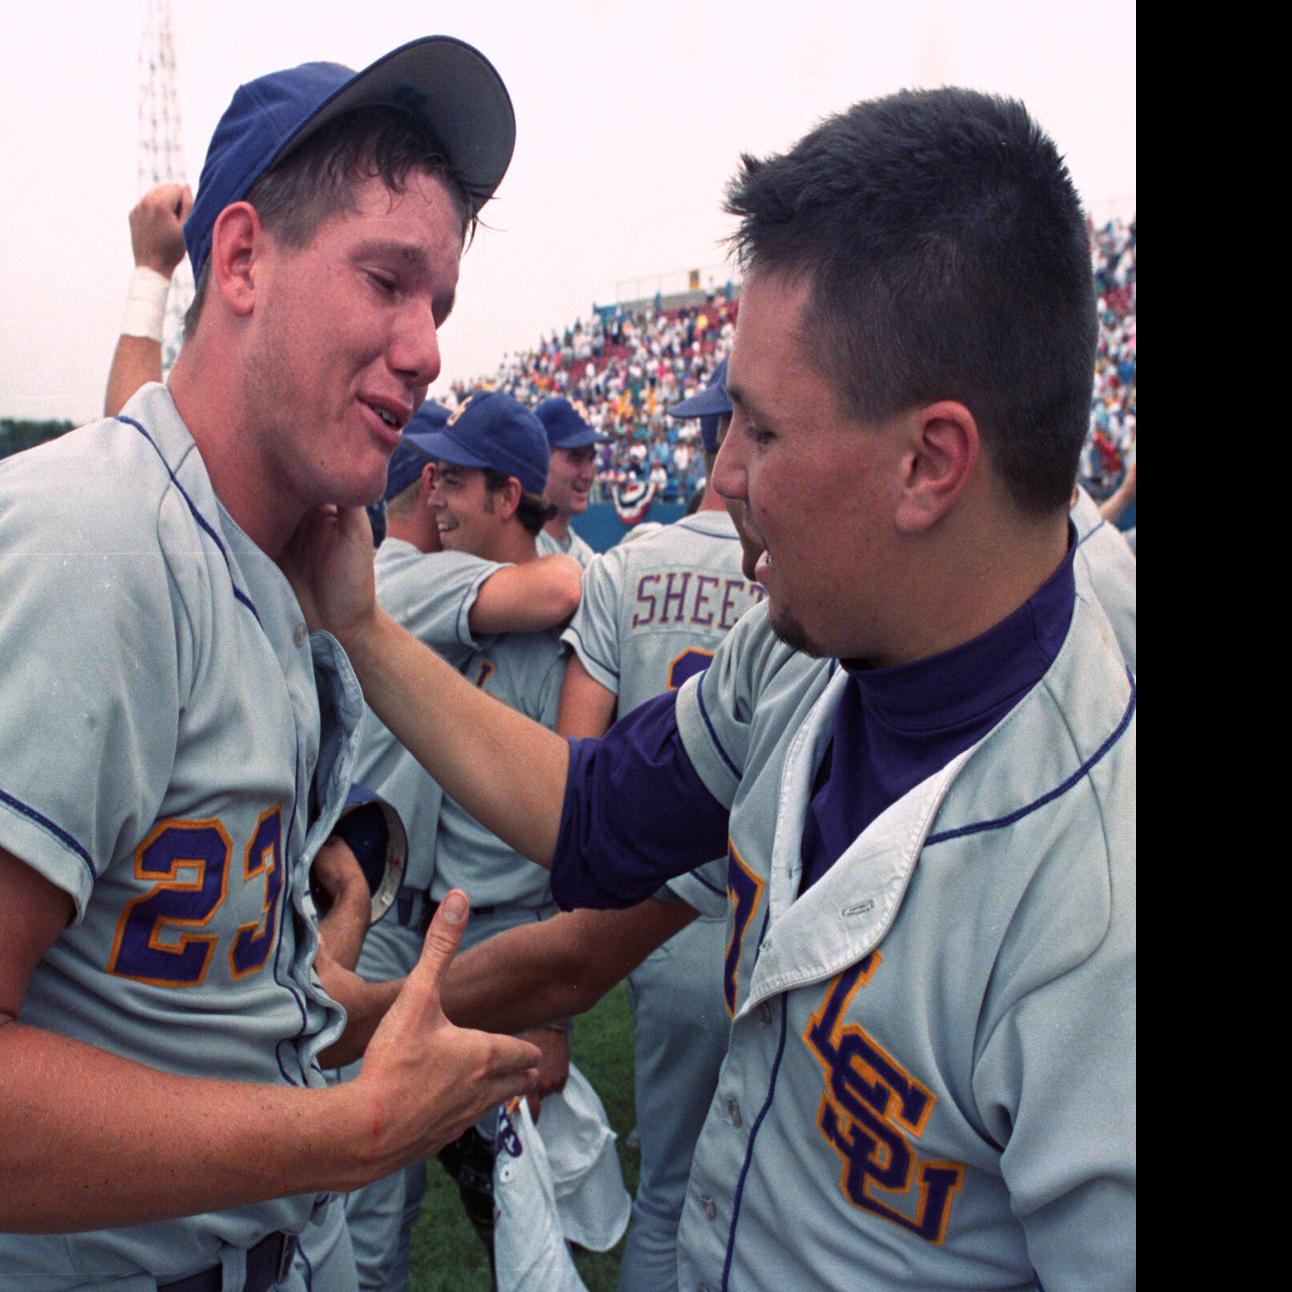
[492, 430]
[710, 404]
[412, 455]
[452, 87]
[566, 424]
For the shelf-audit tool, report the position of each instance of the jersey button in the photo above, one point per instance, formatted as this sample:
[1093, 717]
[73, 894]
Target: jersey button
[764, 1012]
[299, 634]
[733, 1112]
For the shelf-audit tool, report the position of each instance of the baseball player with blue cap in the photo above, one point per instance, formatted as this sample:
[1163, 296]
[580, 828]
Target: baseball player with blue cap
[917, 754]
[571, 476]
[406, 462]
[460, 570]
[180, 747]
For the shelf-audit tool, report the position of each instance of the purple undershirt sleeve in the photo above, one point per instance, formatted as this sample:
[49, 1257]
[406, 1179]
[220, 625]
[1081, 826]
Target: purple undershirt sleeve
[635, 813]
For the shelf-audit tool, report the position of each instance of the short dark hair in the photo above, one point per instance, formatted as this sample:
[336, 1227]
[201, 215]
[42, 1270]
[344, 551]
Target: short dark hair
[318, 180]
[947, 257]
[533, 511]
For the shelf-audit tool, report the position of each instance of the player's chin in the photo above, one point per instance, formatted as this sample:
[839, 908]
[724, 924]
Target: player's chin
[788, 628]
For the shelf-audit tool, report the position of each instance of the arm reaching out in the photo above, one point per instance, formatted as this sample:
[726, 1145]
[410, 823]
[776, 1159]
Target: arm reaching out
[94, 1140]
[506, 770]
[535, 973]
[157, 240]
[527, 598]
[1112, 507]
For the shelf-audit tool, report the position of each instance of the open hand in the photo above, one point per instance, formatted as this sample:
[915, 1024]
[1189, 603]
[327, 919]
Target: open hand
[329, 563]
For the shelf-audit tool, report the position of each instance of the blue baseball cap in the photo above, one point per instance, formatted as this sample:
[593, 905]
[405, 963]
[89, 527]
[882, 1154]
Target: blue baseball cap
[411, 455]
[710, 404]
[566, 424]
[452, 87]
[492, 430]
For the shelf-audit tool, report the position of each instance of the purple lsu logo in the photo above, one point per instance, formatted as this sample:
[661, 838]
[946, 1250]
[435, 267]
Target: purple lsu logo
[871, 1110]
[507, 1140]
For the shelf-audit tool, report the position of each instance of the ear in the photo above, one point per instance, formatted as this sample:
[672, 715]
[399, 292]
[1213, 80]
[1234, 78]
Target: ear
[235, 241]
[940, 462]
[508, 498]
[426, 484]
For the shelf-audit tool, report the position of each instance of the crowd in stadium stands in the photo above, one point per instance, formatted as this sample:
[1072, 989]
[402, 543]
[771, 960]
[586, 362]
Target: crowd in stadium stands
[628, 366]
[1112, 413]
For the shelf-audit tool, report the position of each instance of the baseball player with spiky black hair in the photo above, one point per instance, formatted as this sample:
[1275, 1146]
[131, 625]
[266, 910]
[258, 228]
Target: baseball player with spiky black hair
[166, 1008]
[917, 753]
[571, 476]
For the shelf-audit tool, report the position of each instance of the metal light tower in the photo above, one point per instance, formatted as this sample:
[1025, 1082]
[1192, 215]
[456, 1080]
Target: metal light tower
[161, 148]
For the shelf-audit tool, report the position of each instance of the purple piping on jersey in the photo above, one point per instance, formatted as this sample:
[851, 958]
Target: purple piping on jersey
[600, 663]
[753, 1135]
[197, 515]
[713, 735]
[284, 912]
[46, 824]
[999, 823]
[1093, 532]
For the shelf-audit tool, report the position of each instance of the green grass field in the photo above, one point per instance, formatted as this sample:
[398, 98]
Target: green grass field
[446, 1254]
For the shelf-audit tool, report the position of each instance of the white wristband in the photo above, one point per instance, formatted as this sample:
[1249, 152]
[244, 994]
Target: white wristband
[146, 304]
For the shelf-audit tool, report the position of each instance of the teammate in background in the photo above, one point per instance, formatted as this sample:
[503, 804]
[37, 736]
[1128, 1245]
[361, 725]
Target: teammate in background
[653, 612]
[918, 752]
[165, 1007]
[459, 570]
[571, 476]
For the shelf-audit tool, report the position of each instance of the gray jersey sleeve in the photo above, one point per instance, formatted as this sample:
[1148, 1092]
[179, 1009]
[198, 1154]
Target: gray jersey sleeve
[593, 633]
[715, 709]
[432, 595]
[90, 734]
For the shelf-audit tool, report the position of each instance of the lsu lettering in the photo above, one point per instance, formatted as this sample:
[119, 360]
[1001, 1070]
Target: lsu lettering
[871, 1110]
[506, 1140]
[744, 892]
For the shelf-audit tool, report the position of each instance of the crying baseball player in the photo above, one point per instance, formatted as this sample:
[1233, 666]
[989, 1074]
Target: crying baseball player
[917, 754]
[177, 748]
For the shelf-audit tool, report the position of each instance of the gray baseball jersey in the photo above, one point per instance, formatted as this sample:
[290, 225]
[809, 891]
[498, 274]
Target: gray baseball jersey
[164, 742]
[1109, 562]
[653, 613]
[930, 1076]
[573, 546]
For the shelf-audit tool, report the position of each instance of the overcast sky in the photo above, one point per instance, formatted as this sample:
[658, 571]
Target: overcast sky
[630, 119]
